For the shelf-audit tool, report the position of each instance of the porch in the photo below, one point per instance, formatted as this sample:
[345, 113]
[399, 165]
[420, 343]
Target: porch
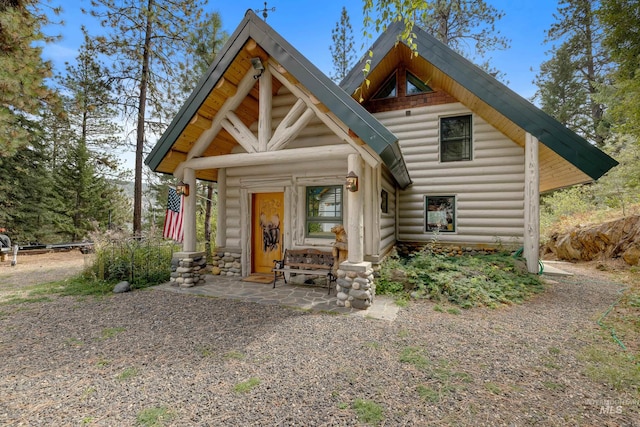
[302, 297]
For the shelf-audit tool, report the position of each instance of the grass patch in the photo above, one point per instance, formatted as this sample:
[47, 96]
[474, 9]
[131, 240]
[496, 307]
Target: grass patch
[234, 355]
[247, 386]
[428, 393]
[127, 374]
[554, 386]
[414, 356]
[74, 342]
[466, 281]
[13, 300]
[493, 388]
[368, 412]
[372, 344]
[80, 285]
[111, 332]
[154, 417]
[614, 368]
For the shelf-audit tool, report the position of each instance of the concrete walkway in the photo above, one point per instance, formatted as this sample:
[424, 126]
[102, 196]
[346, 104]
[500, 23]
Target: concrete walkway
[296, 296]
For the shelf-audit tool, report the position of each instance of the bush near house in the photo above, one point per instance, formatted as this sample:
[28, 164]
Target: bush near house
[465, 280]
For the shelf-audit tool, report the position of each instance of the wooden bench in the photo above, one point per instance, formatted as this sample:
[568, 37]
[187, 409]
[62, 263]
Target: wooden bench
[304, 261]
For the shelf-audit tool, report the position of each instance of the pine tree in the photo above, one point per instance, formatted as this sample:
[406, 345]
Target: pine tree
[561, 92]
[84, 195]
[621, 21]
[467, 26]
[145, 40]
[580, 33]
[342, 51]
[23, 92]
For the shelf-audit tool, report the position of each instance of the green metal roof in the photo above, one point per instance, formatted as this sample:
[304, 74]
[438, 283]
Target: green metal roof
[566, 143]
[339, 102]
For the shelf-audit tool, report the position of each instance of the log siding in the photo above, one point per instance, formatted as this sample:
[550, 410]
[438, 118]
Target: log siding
[489, 189]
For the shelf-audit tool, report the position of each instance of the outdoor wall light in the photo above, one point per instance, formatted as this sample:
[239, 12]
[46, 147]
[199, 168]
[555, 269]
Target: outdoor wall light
[182, 189]
[352, 182]
[257, 65]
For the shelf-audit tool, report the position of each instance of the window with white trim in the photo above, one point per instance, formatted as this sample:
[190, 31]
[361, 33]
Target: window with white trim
[440, 214]
[324, 211]
[455, 138]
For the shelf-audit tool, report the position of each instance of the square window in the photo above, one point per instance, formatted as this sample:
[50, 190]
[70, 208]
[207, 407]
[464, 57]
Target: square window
[455, 138]
[324, 211]
[440, 214]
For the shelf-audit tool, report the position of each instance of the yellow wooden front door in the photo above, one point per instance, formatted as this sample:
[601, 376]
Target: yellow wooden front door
[267, 213]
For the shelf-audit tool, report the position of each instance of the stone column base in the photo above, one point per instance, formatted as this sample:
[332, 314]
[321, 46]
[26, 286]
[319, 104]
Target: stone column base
[355, 285]
[186, 269]
[227, 263]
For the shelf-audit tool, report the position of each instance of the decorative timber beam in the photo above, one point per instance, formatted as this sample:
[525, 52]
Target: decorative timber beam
[243, 88]
[339, 129]
[293, 123]
[307, 154]
[241, 133]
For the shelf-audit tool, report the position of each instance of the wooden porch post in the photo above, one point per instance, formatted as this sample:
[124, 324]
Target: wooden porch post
[221, 227]
[189, 221]
[531, 204]
[355, 218]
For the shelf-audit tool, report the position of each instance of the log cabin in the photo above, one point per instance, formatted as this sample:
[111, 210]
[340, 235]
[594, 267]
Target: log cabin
[426, 144]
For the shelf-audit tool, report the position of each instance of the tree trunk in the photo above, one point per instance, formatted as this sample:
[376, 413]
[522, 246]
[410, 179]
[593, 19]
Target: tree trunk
[142, 103]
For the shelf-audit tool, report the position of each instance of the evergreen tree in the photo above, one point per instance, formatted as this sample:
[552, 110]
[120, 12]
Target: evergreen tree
[342, 51]
[467, 26]
[23, 92]
[145, 40]
[205, 42]
[91, 105]
[561, 92]
[84, 196]
[621, 20]
[580, 33]
[26, 189]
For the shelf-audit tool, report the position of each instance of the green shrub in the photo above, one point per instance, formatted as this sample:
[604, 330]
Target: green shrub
[142, 262]
[467, 281]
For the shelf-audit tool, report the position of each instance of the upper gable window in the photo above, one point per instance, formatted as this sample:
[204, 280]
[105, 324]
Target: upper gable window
[455, 138]
[416, 86]
[388, 89]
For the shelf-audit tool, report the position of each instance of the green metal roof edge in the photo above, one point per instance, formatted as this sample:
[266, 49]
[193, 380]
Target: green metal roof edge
[354, 115]
[562, 140]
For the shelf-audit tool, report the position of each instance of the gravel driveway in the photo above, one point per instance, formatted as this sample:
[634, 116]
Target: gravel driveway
[211, 362]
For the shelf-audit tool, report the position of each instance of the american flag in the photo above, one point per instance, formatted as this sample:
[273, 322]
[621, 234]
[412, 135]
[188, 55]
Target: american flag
[173, 220]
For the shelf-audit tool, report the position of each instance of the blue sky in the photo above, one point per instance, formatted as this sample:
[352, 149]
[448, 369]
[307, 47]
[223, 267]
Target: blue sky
[307, 25]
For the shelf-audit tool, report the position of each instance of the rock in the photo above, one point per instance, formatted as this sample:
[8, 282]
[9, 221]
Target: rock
[215, 271]
[122, 287]
[632, 255]
[611, 239]
[359, 294]
[361, 304]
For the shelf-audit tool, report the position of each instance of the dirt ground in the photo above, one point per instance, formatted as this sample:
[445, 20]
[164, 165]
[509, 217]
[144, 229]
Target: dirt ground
[40, 268]
[193, 361]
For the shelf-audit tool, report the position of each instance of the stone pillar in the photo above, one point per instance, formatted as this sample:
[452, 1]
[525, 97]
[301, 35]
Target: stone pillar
[187, 269]
[355, 285]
